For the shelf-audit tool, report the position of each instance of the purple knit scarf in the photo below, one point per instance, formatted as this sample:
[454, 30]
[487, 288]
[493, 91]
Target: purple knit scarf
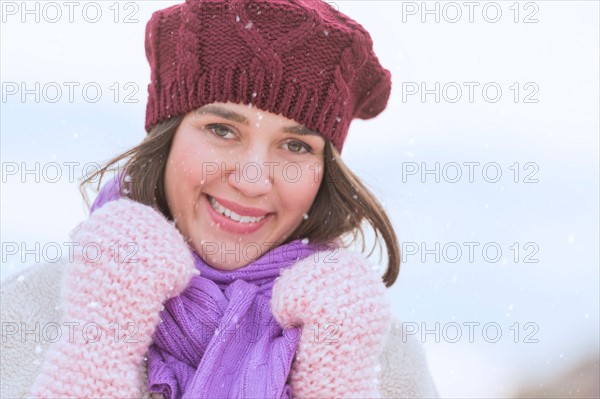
[218, 338]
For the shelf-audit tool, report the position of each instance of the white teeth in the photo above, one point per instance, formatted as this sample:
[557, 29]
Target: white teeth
[232, 215]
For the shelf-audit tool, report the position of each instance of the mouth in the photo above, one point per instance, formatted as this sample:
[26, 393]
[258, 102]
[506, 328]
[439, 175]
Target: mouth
[233, 222]
[231, 214]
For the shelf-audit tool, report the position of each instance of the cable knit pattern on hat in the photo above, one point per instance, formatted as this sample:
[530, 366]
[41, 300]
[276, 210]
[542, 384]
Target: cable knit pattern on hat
[341, 304]
[302, 59]
[142, 260]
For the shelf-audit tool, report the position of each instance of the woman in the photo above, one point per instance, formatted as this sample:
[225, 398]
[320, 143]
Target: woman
[221, 268]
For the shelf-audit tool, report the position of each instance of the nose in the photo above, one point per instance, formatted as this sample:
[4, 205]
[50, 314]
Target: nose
[252, 178]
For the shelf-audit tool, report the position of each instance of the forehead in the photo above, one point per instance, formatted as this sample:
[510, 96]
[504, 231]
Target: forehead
[243, 112]
[251, 115]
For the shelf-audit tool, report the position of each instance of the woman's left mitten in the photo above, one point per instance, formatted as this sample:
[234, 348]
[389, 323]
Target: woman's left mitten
[340, 303]
[127, 260]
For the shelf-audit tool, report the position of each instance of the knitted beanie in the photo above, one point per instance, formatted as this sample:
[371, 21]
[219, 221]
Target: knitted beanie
[299, 58]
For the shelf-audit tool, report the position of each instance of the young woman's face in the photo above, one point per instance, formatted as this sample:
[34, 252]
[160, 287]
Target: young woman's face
[239, 181]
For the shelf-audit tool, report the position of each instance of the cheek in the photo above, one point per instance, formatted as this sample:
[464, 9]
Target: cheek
[171, 188]
[184, 167]
[183, 174]
[302, 185]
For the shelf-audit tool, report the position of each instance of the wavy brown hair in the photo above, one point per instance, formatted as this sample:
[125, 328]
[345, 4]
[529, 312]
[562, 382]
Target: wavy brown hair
[341, 206]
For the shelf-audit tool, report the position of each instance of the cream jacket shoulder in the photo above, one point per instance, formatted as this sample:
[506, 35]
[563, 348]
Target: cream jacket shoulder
[30, 317]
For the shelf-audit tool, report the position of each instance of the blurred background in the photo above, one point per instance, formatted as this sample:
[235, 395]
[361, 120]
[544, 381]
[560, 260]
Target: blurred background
[486, 160]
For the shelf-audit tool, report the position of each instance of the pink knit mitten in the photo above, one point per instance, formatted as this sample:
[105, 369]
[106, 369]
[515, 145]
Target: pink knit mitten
[130, 259]
[341, 304]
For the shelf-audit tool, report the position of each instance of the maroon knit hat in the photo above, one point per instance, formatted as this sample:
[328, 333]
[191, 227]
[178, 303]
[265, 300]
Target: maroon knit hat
[299, 58]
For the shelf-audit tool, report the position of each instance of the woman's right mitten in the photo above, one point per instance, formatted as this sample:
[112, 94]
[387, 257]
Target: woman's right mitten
[128, 261]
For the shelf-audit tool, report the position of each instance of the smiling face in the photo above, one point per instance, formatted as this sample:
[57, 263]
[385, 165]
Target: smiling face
[239, 181]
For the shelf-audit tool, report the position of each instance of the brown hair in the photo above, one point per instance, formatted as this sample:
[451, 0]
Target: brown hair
[341, 206]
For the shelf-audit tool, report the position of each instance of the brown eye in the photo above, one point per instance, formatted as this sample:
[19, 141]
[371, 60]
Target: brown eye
[298, 147]
[219, 130]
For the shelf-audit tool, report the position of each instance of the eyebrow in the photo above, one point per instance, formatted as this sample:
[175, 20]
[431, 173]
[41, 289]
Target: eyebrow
[211, 109]
[223, 113]
[301, 130]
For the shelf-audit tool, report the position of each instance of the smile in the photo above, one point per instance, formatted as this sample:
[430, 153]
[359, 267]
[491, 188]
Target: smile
[231, 214]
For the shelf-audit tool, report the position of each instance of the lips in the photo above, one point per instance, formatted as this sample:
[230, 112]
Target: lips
[233, 215]
[225, 217]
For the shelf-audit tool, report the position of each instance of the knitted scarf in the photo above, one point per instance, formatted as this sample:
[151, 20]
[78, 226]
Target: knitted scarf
[218, 338]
